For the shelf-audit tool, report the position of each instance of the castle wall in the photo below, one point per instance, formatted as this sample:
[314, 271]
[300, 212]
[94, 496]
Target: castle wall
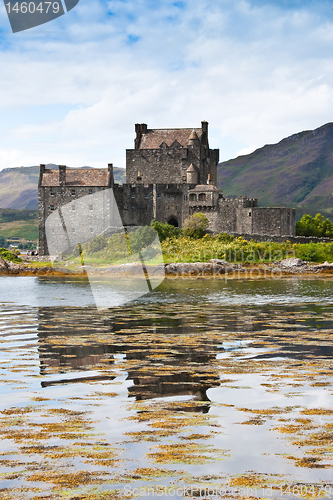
[139, 203]
[274, 221]
[169, 164]
[156, 165]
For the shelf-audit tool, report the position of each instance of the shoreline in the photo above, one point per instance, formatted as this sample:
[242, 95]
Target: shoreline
[215, 268]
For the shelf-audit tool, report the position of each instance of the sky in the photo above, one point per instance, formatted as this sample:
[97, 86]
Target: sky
[71, 90]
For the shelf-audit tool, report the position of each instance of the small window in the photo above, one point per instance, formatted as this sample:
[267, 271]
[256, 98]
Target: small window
[91, 229]
[250, 214]
[73, 192]
[52, 207]
[202, 197]
[193, 197]
[53, 231]
[73, 208]
[73, 230]
[159, 195]
[172, 196]
[52, 192]
[90, 191]
[146, 197]
[184, 167]
[132, 207]
[133, 195]
[91, 208]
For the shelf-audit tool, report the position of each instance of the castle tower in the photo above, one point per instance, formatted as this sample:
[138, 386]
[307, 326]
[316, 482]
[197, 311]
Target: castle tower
[163, 156]
[192, 175]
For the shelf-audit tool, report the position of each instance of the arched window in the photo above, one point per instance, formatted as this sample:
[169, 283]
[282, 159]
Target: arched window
[202, 197]
[193, 197]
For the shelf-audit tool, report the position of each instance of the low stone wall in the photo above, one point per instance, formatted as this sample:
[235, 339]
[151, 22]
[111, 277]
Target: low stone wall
[282, 239]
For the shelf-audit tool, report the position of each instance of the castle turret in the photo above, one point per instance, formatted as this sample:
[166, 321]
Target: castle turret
[192, 175]
[193, 140]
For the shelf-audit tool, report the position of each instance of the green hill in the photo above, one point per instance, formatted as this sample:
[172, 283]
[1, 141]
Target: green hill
[18, 186]
[21, 224]
[296, 172]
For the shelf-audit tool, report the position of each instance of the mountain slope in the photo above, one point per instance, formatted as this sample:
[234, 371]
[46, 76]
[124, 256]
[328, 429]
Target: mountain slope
[296, 172]
[18, 186]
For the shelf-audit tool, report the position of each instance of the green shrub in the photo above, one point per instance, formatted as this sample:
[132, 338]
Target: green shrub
[11, 256]
[96, 244]
[195, 226]
[226, 238]
[165, 231]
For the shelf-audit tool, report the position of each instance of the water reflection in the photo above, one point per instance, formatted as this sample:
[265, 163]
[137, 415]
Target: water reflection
[72, 339]
[176, 387]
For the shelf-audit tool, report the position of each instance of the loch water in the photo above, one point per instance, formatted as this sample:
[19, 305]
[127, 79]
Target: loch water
[201, 388]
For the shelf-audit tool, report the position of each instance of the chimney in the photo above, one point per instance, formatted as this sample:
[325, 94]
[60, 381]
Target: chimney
[62, 175]
[140, 128]
[41, 172]
[111, 178]
[204, 127]
[208, 179]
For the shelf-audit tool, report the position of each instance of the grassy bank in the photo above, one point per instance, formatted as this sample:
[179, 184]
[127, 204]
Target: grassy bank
[242, 251]
[117, 249]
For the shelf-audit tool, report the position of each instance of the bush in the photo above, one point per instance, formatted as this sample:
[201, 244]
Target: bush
[7, 255]
[195, 226]
[226, 238]
[96, 244]
[165, 231]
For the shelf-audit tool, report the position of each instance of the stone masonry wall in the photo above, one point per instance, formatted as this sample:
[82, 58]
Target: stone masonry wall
[156, 165]
[283, 238]
[274, 221]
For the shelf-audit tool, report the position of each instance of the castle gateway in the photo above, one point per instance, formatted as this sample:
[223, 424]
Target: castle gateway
[170, 174]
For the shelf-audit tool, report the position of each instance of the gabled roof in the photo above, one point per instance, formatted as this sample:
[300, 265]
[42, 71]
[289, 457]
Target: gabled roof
[154, 137]
[77, 177]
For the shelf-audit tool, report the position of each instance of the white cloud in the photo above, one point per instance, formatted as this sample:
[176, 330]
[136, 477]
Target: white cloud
[256, 72]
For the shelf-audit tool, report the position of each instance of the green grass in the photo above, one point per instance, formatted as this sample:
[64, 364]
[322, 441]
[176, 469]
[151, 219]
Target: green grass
[21, 224]
[234, 250]
[28, 232]
[242, 251]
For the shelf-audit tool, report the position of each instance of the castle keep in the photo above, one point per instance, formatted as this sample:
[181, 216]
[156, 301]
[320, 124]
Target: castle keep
[170, 174]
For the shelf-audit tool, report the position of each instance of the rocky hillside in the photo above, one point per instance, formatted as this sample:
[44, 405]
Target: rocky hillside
[296, 172]
[18, 186]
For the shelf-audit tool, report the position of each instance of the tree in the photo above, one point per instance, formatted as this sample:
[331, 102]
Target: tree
[3, 242]
[314, 226]
[195, 226]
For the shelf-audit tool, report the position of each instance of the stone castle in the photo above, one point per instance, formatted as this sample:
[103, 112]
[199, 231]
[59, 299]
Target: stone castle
[170, 175]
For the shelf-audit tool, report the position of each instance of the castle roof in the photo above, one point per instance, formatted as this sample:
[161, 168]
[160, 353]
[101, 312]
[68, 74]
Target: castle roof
[77, 177]
[154, 137]
[193, 136]
[204, 187]
[191, 168]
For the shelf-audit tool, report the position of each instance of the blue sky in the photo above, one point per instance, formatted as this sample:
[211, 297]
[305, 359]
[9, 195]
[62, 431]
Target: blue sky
[71, 90]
